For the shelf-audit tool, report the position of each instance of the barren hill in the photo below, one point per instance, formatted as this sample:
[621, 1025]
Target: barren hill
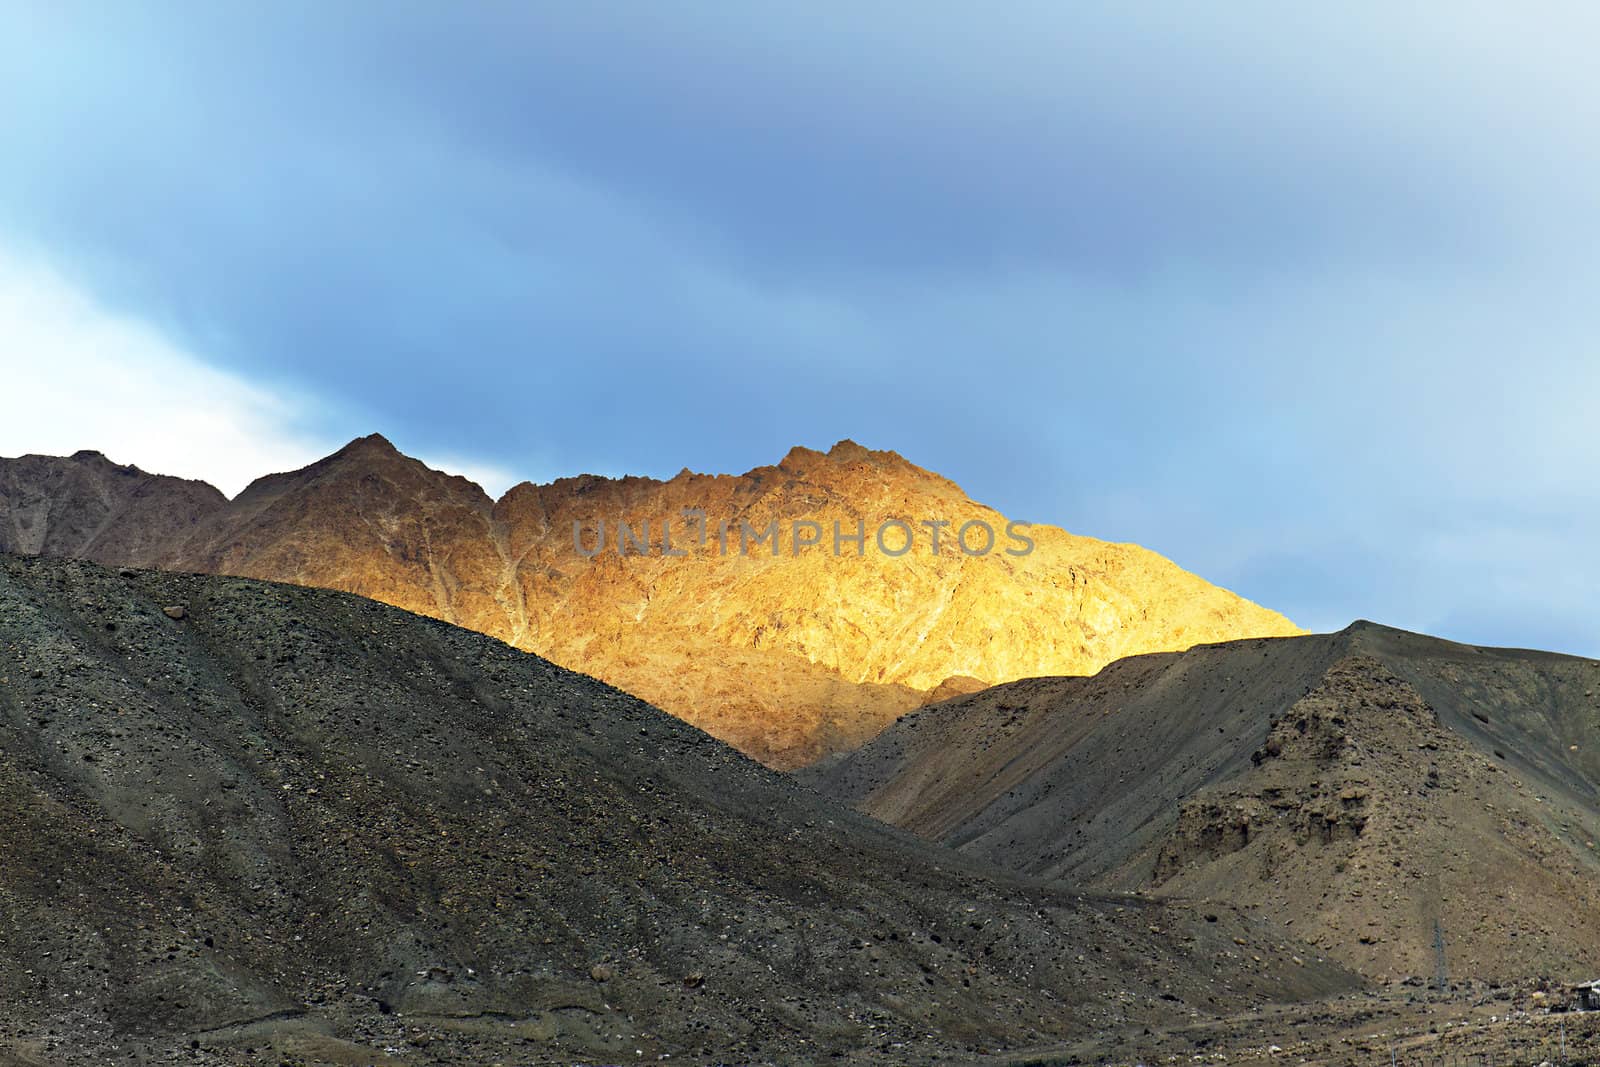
[88, 507]
[788, 651]
[290, 825]
[1366, 785]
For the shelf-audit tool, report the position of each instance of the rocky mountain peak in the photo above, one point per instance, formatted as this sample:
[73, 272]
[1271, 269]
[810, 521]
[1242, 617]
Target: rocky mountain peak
[373, 444]
[847, 451]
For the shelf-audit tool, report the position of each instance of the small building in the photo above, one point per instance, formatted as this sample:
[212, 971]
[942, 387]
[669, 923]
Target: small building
[1587, 996]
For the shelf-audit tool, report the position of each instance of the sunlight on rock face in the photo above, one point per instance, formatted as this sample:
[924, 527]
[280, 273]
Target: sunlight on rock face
[793, 611]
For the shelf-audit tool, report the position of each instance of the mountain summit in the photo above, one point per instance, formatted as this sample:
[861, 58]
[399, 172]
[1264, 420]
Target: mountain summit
[793, 611]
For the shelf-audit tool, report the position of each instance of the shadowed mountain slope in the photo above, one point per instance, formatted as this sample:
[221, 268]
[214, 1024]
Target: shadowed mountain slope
[88, 507]
[286, 824]
[1368, 785]
[786, 652]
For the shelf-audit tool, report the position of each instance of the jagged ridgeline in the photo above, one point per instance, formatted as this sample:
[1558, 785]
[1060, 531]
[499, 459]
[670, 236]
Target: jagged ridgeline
[788, 653]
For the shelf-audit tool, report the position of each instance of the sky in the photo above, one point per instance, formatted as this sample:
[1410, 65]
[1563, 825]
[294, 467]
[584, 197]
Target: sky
[1302, 298]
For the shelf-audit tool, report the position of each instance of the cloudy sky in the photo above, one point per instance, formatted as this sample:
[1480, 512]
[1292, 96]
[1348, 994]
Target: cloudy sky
[1306, 301]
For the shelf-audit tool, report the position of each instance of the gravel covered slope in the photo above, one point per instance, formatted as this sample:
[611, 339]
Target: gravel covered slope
[1373, 786]
[298, 826]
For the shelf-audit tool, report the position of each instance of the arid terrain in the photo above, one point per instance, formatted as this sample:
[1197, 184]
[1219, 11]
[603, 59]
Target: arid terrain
[788, 657]
[253, 823]
[1377, 791]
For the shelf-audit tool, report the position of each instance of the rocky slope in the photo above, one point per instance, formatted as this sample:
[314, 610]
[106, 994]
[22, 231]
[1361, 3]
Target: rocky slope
[86, 506]
[1372, 787]
[788, 656]
[253, 823]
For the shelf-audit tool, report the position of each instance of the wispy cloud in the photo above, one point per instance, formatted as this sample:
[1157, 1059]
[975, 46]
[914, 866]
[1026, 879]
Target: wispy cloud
[493, 478]
[79, 375]
[82, 376]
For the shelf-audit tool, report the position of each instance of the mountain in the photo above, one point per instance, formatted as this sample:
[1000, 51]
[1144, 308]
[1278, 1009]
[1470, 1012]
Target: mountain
[790, 652]
[1376, 788]
[86, 506]
[244, 822]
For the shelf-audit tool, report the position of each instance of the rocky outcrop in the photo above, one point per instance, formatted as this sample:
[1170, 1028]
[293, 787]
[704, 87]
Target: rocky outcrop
[1310, 782]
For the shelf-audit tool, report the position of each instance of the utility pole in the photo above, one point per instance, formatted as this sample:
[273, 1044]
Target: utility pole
[1438, 956]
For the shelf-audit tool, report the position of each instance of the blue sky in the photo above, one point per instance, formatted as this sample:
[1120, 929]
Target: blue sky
[1302, 299]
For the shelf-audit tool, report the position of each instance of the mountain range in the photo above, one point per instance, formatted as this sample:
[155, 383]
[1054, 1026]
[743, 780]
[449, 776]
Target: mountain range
[1053, 801]
[788, 652]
